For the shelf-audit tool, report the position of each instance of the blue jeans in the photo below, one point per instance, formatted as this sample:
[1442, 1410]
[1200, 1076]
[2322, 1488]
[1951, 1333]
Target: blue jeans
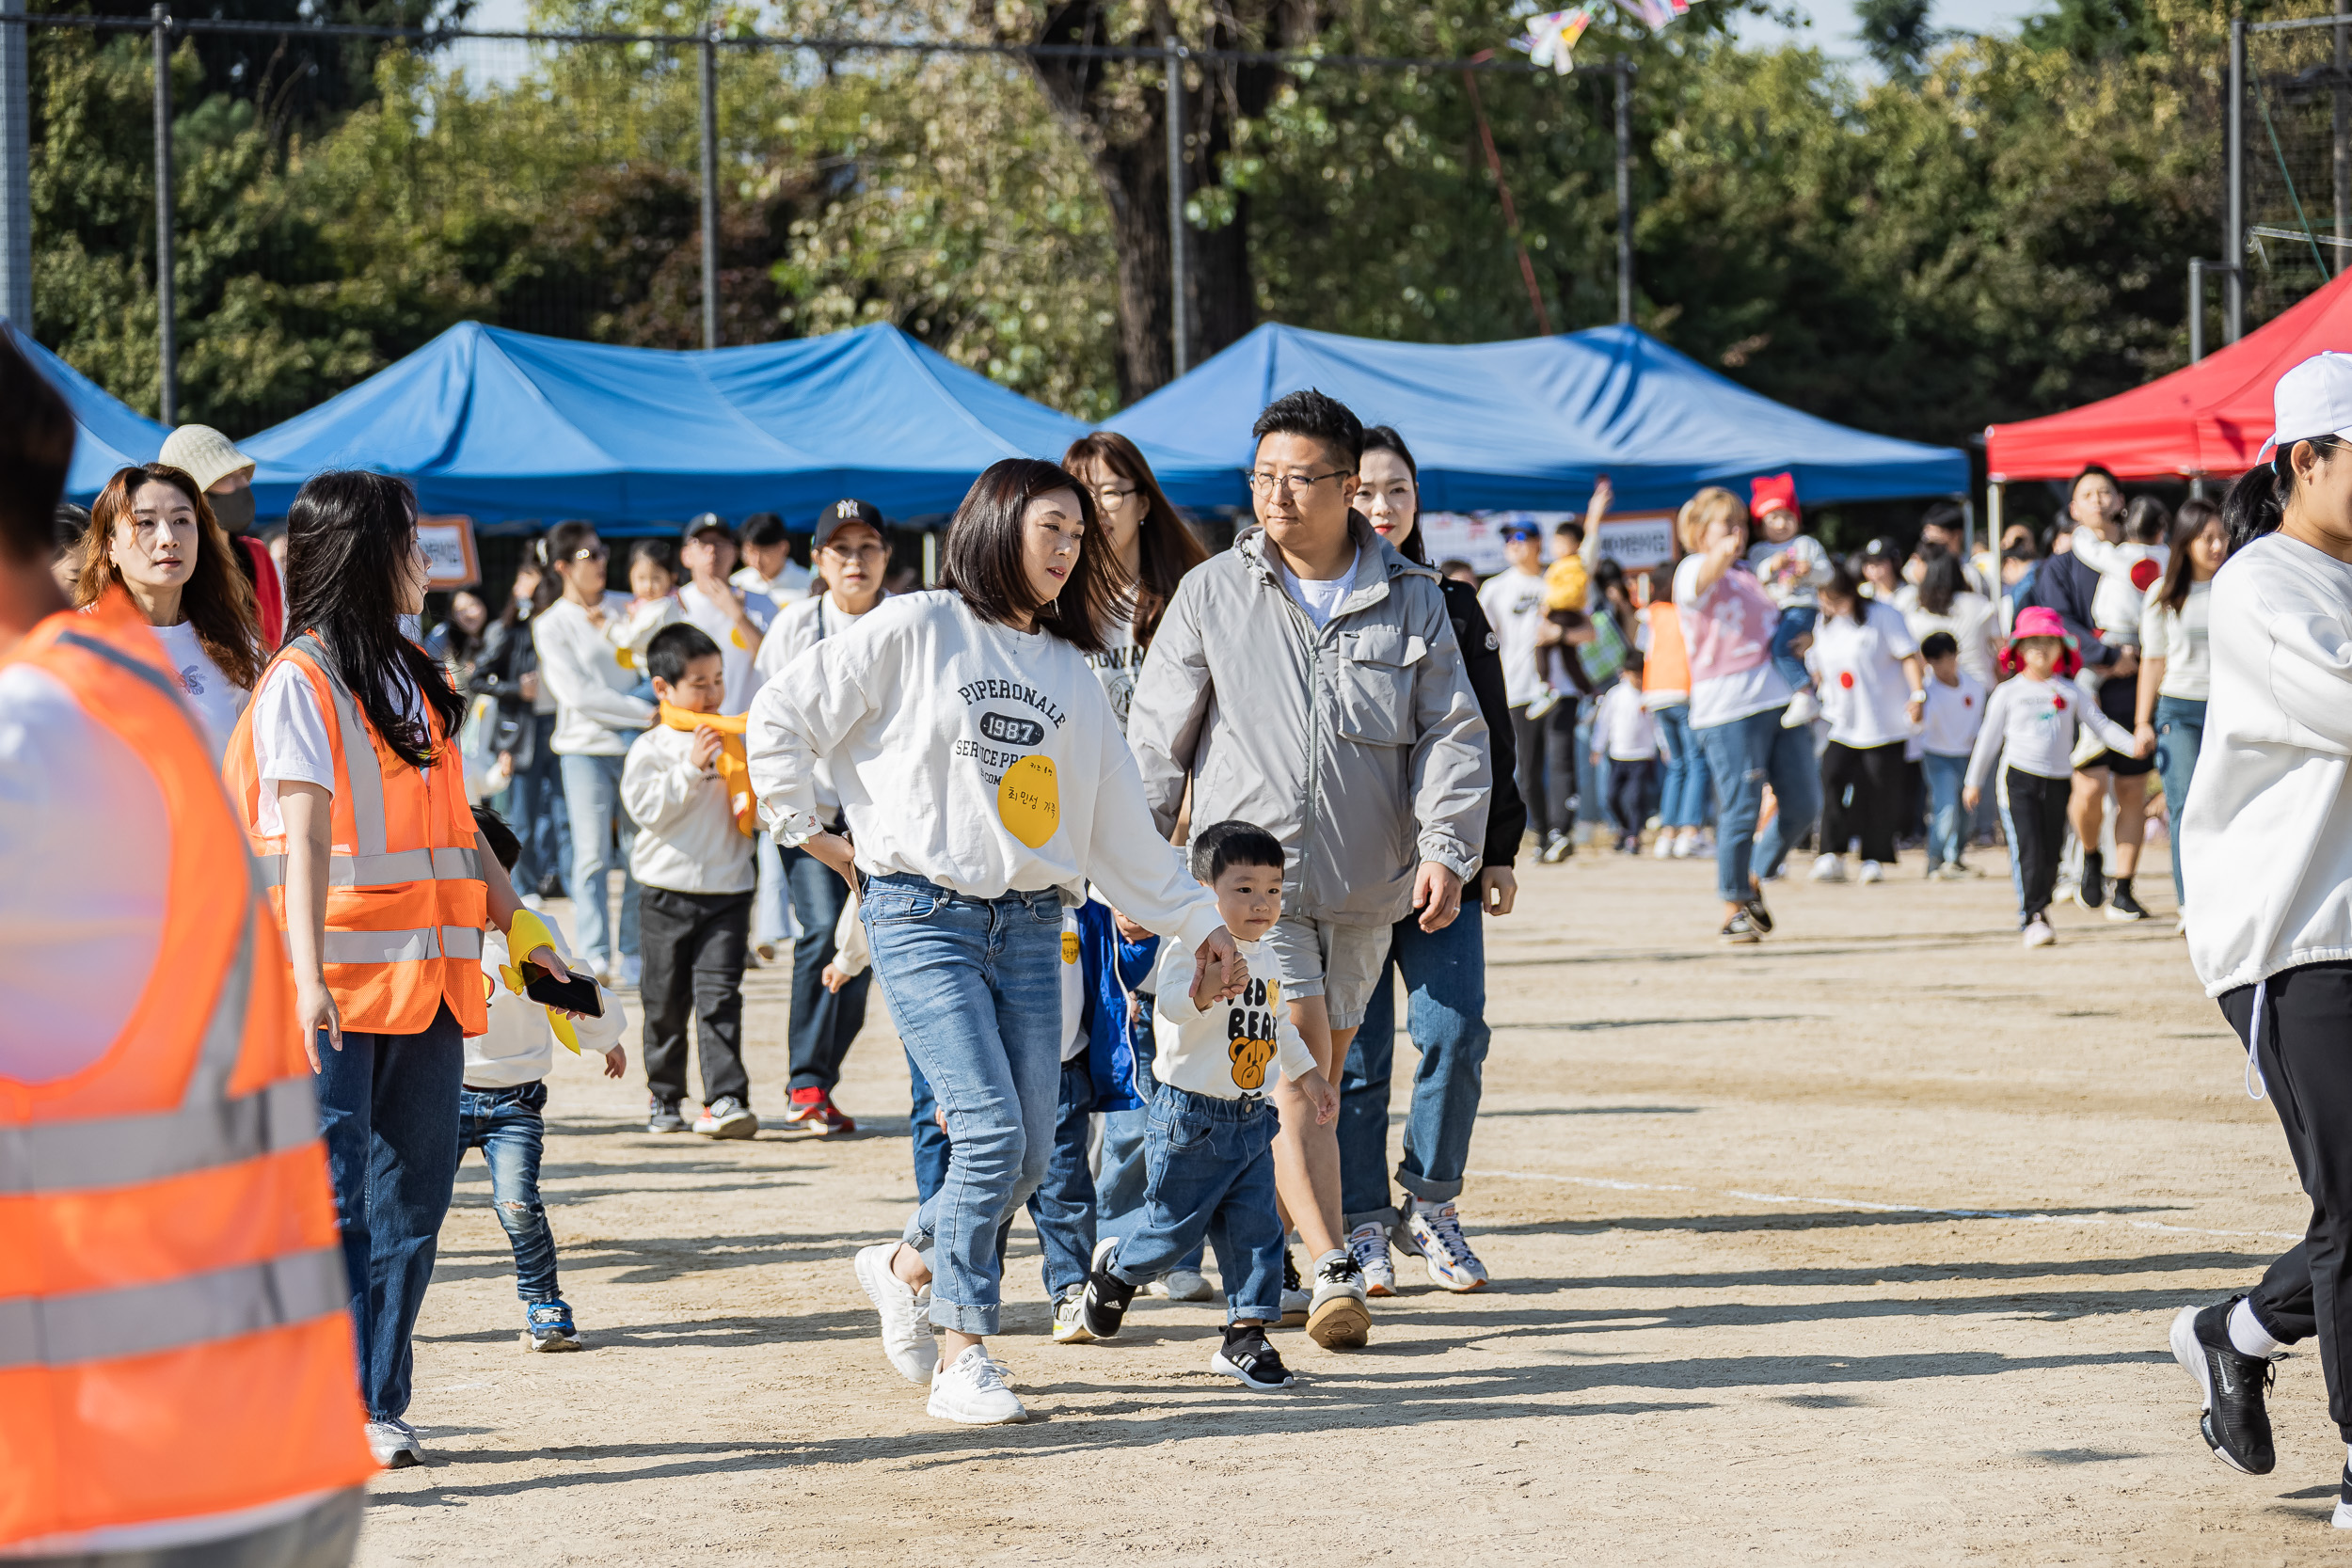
[1684, 793]
[974, 988]
[931, 1143]
[388, 1109]
[1211, 1180]
[534, 809]
[1744, 756]
[1123, 1172]
[1592, 773]
[2180, 724]
[1946, 832]
[506, 1125]
[1445, 981]
[1794, 623]
[1063, 1208]
[591, 793]
[768, 892]
[824, 1022]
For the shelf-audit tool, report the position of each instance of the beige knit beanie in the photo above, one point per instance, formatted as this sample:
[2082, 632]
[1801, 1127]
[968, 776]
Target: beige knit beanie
[203, 454]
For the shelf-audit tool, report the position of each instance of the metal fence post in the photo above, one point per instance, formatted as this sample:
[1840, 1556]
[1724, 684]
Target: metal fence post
[1625, 191]
[2343, 126]
[710, 186]
[2234, 215]
[167, 306]
[2196, 308]
[16, 170]
[1179, 263]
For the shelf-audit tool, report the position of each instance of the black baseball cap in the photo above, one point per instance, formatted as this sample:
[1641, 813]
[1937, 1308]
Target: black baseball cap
[848, 510]
[1522, 531]
[709, 522]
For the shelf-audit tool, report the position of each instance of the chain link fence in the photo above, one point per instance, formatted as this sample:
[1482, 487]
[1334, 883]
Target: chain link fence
[2297, 168]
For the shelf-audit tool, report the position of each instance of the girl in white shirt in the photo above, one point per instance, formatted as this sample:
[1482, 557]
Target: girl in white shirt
[2174, 669]
[1872, 683]
[985, 783]
[152, 534]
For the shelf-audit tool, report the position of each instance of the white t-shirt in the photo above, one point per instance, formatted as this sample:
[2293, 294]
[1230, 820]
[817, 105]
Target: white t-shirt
[1953, 716]
[1321, 600]
[1628, 728]
[2179, 639]
[217, 700]
[1971, 619]
[1719, 699]
[1514, 603]
[88, 848]
[1865, 692]
[791, 583]
[737, 653]
[290, 738]
[1074, 1036]
[1244, 1045]
[1120, 660]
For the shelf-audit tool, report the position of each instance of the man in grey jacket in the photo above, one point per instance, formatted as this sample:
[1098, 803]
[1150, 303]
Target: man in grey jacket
[1308, 680]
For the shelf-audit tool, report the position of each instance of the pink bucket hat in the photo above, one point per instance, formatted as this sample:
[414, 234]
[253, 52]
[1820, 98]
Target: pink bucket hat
[2039, 621]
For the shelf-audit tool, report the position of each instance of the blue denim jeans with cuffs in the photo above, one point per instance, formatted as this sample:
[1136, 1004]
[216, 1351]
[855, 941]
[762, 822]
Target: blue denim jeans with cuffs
[1212, 1179]
[975, 987]
[508, 1126]
[1445, 983]
[1742, 756]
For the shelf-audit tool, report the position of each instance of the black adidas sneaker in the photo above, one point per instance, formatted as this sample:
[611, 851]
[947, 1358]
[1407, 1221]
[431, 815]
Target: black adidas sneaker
[1248, 1361]
[1104, 1307]
[2236, 1423]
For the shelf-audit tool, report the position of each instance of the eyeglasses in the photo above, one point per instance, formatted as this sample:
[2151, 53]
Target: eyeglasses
[1111, 496]
[855, 552]
[599, 553]
[1262, 482]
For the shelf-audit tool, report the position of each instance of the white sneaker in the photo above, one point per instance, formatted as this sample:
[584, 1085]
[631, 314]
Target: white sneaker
[1435, 1231]
[394, 1444]
[972, 1390]
[1873, 872]
[1662, 847]
[2038, 934]
[1070, 1324]
[906, 1338]
[1803, 709]
[1336, 1318]
[1183, 1285]
[1829, 868]
[1368, 1243]
[2180, 926]
[632, 970]
[727, 1118]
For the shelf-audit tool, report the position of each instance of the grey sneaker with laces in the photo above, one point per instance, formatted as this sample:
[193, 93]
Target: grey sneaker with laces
[1433, 1232]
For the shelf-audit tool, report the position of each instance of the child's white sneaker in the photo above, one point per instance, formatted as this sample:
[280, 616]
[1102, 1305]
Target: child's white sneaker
[727, 1118]
[972, 1390]
[1803, 709]
[1663, 847]
[1368, 1243]
[1295, 1299]
[1829, 868]
[1336, 1318]
[1070, 1324]
[394, 1444]
[906, 1338]
[1873, 872]
[1433, 1230]
[1183, 1285]
[2038, 934]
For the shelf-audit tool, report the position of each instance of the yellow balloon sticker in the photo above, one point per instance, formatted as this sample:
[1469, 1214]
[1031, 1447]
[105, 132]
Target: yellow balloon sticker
[738, 636]
[624, 659]
[1028, 802]
[1070, 947]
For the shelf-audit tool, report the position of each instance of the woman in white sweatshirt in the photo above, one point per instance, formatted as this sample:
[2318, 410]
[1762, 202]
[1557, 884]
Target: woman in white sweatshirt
[985, 781]
[2266, 842]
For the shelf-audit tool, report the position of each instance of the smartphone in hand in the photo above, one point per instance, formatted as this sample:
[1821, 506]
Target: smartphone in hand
[577, 994]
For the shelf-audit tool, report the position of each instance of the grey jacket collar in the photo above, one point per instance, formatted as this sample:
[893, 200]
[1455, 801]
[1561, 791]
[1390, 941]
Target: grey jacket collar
[1251, 543]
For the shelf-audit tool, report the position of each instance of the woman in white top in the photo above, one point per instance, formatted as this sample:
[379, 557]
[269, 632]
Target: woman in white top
[151, 531]
[1944, 602]
[2267, 841]
[985, 783]
[1873, 685]
[2175, 671]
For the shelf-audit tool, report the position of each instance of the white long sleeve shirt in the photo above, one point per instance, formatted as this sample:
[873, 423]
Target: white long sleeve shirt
[2033, 722]
[977, 757]
[519, 1045]
[2266, 836]
[2115, 605]
[799, 626]
[687, 840]
[595, 714]
[1228, 1048]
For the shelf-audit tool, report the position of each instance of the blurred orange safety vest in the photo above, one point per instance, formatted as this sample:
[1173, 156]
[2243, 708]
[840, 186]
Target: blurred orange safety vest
[1668, 666]
[175, 1339]
[406, 902]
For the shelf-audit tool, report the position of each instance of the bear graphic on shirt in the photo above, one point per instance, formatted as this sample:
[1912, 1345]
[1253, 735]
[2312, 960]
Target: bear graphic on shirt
[1249, 1033]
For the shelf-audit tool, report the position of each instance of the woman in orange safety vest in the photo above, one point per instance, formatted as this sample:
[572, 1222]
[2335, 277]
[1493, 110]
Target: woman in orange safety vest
[355, 802]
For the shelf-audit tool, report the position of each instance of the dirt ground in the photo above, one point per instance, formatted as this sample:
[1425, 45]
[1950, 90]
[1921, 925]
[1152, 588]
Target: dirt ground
[1856, 1246]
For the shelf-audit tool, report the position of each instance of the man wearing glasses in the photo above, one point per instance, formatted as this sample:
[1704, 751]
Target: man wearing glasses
[853, 555]
[1307, 681]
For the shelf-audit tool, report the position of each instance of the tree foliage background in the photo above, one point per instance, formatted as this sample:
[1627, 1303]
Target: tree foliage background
[1971, 229]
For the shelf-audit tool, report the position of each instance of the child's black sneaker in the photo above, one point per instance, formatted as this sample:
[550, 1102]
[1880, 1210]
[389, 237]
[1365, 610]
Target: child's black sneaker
[2121, 905]
[2091, 891]
[1106, 1304]
[548, 1326]
[1248, 1361]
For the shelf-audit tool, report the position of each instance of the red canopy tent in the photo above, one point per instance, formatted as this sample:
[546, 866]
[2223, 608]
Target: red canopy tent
[2207, 418]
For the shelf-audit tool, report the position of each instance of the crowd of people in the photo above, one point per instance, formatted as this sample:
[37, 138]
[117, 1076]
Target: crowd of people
[1136, 841]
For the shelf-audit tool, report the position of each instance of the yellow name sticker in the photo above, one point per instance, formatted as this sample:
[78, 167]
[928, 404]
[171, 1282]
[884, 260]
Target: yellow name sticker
[626, 660]
[1028, 802]
[1070, 947]
[736, 635]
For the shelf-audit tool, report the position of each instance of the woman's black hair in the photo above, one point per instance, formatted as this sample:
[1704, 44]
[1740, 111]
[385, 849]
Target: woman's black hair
[1841, 583]
[500, 835]
[2257, 503]
[1166, 547]
[1942, 581]
[36, 450]
[548, 588]
[2195, 515]
[563, 541]
[351, 545]
[1380, 438]
[982, 559]
[217, 600]
[656, 551]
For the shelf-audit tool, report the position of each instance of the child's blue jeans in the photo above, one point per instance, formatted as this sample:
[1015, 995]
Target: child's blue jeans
[1211, 1175]
[1947, 832]
[1063, 1208]
[1794, 623]
[506, 1125]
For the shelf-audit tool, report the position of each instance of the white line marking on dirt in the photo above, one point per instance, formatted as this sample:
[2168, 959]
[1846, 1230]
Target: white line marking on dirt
[1614, 1185]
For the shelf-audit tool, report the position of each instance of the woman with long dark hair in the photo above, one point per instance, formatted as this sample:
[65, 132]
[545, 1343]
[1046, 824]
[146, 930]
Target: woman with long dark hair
[2269, 870]
[346, 773]
[1445, 970]
[985, 783]
[508, 669]
[2175, 674]
[152, 532]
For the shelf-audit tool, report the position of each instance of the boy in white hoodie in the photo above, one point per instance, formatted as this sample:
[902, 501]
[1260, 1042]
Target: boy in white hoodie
[693, 856]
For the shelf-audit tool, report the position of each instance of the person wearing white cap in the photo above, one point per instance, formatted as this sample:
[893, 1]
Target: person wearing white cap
[2266, 845]
[225, 477]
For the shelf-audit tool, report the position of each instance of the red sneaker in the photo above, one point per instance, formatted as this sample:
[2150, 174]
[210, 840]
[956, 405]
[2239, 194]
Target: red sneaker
[813, 1111]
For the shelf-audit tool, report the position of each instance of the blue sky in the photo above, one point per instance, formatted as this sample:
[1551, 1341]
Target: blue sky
[1829, 23]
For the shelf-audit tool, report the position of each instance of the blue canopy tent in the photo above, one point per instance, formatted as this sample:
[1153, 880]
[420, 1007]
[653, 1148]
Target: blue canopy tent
[507, 427]
[1525, 424]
